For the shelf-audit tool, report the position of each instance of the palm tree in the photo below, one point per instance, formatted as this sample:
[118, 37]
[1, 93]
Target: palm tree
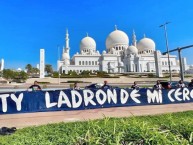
[48, 68]
[29, 68]
[35, 70]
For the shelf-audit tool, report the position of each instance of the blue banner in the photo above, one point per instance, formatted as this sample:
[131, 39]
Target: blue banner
[43, 101]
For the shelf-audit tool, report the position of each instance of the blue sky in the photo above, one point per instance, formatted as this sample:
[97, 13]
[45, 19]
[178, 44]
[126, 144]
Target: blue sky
[28, 25]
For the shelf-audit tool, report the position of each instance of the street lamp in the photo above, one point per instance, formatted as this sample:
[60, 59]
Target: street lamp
[166, 37]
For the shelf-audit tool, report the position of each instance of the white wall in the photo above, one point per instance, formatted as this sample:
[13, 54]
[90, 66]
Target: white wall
[86, 60]
[109, 58]
[79, 68]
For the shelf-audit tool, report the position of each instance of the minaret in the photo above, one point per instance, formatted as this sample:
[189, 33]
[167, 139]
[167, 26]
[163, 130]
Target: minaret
[134, 40]
[67, 43]
[115, 27]
[67, 39]
[63, 49]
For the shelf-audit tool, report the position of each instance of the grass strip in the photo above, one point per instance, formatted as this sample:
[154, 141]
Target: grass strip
[174, 128]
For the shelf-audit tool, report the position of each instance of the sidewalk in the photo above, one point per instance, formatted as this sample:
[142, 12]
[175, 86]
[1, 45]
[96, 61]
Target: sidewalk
[40, 118]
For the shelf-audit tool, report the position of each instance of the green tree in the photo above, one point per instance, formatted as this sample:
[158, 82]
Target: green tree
[22, 76]
[29, 68]
[35, 70]
[11, 75]
[8, 74]
[48, 68]
[1, 73]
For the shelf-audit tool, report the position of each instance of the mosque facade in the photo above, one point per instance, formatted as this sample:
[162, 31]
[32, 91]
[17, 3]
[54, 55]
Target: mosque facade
[119, 56]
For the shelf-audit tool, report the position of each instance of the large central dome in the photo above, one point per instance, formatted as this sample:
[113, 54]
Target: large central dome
[115, 38]
[87, 43]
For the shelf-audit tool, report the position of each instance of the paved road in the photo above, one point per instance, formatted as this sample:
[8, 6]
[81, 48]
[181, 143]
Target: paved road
[40, 118]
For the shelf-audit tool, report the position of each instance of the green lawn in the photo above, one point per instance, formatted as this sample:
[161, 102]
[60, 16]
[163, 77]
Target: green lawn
[173, 129]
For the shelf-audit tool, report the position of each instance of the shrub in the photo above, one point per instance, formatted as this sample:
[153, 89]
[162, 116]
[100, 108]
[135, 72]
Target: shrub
[151, 75]
[187, 76]
[72, 73]
[55, 74]
[101, 73]
[85, 73]
[43, 82]
[75, 81]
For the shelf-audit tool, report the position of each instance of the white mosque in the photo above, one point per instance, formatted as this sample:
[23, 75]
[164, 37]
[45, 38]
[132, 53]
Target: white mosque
[119, 56]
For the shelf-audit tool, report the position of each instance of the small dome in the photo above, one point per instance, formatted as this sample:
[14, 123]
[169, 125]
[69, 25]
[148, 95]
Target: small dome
[87, 43]
[104, 52]
[146, 44]
[115, 38]
[132, 50]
